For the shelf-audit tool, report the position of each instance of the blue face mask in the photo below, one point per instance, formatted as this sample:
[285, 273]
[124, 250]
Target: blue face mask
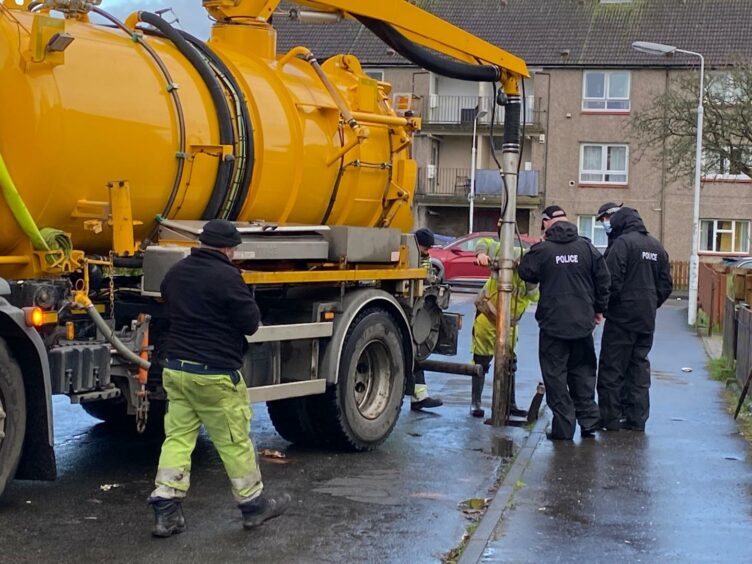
[607, 226]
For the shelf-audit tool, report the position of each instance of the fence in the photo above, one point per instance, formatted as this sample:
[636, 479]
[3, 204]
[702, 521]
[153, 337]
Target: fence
[743, 343]
[711, 292]
[680, 274]
[729, 329]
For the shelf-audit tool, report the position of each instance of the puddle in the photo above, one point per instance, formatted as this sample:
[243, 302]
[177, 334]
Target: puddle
[502, 446]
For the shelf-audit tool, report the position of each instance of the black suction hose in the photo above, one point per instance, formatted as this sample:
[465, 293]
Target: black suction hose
[249, 153]
[426, 58]
[226, 133]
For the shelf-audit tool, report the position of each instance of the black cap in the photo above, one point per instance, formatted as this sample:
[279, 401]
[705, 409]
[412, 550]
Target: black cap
[424, 237]
[551, 212]
[220, 233]
[609, 208]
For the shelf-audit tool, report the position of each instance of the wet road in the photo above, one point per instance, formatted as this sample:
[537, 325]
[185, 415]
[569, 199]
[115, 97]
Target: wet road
[397, 504]
[681, 492]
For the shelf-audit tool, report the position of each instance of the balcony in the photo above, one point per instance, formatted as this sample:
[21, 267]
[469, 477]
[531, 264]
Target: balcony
[458, 112]
[452, 185]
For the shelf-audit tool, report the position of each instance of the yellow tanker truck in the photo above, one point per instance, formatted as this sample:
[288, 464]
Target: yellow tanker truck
[119, 139]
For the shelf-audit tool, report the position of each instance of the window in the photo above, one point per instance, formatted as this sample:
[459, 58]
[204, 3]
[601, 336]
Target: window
[375, 74]
[724, 236]
[724, 87]
[605, 91]
[717, 165]
[593, 230]
[603, 164]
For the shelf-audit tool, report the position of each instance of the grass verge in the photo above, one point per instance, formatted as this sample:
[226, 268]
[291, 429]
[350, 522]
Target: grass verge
[720, 369]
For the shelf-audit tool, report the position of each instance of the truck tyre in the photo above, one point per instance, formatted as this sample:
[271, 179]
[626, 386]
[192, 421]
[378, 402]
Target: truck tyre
[12, 415]
[291, 421]
[360, 412]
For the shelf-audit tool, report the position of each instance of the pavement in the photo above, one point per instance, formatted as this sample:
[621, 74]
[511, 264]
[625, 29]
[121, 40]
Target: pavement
[680, 492]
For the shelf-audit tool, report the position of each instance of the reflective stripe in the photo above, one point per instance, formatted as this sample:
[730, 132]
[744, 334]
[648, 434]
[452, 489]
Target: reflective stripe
[166, 492]
[248, 487]
[420, 393]
[172, 483]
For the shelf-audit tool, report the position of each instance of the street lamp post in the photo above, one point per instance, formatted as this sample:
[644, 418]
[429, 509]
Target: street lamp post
[473, 162]
[694, 260]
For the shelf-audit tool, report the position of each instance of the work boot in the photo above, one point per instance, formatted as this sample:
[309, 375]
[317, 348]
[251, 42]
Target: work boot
[515, 411]
[476, 410]
[168, 517]
[426, 403]
[263, 508]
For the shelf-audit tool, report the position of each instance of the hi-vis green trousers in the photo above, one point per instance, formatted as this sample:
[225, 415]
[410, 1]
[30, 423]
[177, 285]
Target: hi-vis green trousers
[222, 407]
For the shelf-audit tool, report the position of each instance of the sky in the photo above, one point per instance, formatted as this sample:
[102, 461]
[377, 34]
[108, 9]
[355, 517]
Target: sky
[189, 13]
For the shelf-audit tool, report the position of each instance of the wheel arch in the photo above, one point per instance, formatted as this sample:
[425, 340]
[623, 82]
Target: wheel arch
[354, 303]
[38, 456]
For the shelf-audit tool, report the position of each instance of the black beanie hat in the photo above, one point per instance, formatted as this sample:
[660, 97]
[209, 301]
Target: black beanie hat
[424, 237]
[220, 233]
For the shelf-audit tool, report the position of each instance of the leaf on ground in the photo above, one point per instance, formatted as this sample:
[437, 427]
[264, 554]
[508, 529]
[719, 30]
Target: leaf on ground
[474, 504]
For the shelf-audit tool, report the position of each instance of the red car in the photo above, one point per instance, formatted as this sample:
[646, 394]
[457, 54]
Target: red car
[455, 263]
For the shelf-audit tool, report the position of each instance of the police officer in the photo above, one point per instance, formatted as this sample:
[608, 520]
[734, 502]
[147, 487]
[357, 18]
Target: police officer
[211, 310]
[640, 283]
[604, 216]
[420, 399]
[574, 284]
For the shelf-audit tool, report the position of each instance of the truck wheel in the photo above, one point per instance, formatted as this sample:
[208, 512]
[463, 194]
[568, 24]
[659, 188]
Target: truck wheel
[360, 412]
[290, 419]
[12, 415]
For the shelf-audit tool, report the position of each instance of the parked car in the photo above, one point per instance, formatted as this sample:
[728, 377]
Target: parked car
[455, 262]
[443, 240]
[738, 262]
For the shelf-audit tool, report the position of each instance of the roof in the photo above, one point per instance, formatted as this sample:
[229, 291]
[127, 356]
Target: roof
[539, 31]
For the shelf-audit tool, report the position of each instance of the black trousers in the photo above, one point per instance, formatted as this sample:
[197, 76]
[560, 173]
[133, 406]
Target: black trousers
[568, 367]
[624, 376]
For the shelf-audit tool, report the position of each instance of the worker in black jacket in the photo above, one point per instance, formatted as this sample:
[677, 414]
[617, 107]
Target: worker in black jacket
[640, 283]
[211, 310]
[574, 285]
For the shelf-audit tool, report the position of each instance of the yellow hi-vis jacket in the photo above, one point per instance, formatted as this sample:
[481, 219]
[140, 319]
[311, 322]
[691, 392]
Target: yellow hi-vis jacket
[523, 294]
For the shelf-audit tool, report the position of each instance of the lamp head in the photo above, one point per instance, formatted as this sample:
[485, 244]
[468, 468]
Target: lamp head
[653, 48]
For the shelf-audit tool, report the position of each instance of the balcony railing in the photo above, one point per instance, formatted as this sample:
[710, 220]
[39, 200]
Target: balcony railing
[455, 182]
[461, 110]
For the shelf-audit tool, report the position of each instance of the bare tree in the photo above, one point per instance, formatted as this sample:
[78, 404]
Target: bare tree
[670, 123]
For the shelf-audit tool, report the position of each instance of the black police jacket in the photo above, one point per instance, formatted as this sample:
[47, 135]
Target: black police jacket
[640, 273]
[211, 310]
[573, 278]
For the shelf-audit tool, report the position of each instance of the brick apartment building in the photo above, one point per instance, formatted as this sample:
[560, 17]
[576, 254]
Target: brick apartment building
[586, 82]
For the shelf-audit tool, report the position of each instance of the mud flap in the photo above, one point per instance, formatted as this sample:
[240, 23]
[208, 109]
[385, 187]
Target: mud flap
[449, 331]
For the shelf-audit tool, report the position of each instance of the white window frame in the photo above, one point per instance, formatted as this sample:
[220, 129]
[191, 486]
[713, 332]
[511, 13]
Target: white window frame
[371, 72]
[732, 232]
[604, 159]
[606, 93]
[590, 233]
